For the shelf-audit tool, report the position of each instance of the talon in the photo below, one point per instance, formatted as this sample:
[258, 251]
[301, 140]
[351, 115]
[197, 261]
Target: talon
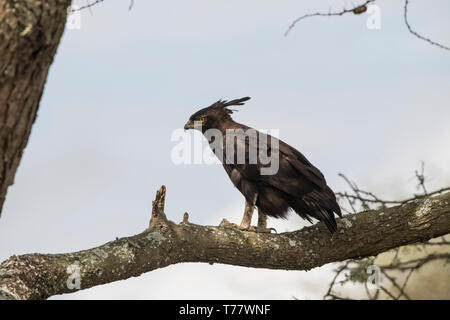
[227, 224]
[265, 230]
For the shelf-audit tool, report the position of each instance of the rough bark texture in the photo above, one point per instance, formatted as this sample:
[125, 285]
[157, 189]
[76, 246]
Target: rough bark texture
[39, 276]
[29, 35]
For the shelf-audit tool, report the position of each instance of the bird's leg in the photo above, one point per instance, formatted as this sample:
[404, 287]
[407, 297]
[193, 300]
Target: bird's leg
[262, 219]
[262, 223]
[248, 213]
[247, 218]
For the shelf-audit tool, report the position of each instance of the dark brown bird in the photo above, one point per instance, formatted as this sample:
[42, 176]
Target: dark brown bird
[295, 183]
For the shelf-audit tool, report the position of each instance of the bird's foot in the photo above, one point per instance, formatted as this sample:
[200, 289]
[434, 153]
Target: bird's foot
[227, 224]
[265, 230]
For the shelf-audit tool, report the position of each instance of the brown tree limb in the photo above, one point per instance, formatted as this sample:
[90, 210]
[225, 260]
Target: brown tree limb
[39, 276]
[29, 35]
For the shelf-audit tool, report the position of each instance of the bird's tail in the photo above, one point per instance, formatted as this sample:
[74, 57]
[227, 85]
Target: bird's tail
[321, 206]
[321, 214]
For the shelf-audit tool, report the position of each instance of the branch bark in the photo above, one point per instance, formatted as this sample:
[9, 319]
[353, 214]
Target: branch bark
[30, 32]
[39, 276]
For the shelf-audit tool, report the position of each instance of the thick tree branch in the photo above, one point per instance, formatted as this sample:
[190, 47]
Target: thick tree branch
[29, 35]
[39, 276]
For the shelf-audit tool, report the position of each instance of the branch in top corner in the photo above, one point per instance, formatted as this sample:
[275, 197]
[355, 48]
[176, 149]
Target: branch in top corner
[405, 16]
[356, 10]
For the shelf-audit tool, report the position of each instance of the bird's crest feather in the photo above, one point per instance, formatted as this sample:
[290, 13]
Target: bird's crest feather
[236, 102]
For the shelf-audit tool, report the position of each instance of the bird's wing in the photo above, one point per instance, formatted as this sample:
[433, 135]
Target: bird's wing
[295, 175]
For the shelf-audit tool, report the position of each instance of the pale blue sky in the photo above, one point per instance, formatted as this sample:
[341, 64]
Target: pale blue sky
[368, 103]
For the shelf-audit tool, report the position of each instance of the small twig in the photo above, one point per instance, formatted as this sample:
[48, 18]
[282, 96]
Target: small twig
[395, 202]
[443, 243]
[405, 16]
[333, 282]
[404, 284]
[90, 9]
[387, 292]
[365, 198]
[421, 177]
[418, 263]
[368, 292]
[356, 10]
[394, 282]
[89, 5]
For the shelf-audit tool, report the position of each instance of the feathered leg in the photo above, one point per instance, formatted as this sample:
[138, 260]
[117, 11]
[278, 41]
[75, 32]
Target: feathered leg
[262, 219]
[246, 219]
[262, 223]
[248, 213]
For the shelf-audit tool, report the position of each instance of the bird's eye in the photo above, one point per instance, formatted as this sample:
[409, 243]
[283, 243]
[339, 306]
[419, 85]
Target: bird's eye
[202, 119]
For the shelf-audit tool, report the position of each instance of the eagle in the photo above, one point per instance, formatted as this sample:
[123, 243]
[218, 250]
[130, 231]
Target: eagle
[293, 183]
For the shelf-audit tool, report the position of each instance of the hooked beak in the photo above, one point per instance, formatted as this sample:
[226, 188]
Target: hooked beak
[189, 125]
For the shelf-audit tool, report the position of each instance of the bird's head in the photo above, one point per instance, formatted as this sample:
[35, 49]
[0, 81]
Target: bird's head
[213, 116]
